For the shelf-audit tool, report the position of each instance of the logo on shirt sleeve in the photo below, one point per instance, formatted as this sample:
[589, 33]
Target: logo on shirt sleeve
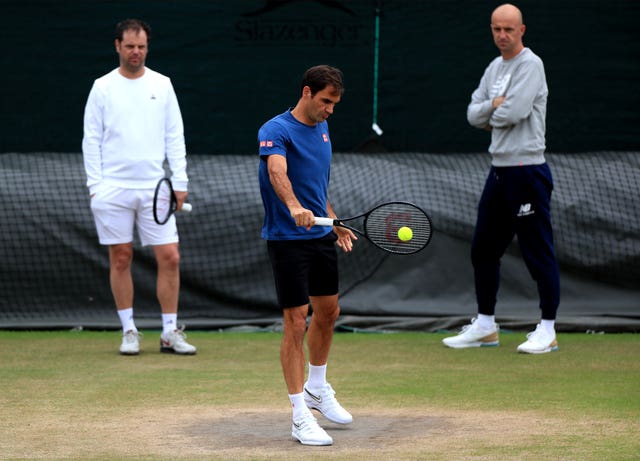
[266, 143]
[325, 138]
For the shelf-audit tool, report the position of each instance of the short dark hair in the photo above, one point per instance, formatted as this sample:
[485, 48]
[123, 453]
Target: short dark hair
[132, 24]
[317, 78]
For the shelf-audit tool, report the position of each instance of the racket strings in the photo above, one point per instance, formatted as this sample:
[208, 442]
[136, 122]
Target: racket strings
[164, 204]
[383, 223]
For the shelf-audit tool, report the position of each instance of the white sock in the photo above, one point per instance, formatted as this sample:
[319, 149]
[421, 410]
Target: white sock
[126, 318]
[169, 322]
[549, 326]
[317, 376]
[297, 405]
[486, 321]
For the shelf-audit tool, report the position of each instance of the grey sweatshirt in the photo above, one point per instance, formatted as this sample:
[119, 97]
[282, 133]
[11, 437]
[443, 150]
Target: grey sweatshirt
[518, 124]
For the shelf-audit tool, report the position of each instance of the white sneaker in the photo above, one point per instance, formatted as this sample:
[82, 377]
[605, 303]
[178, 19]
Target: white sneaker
[175, 342]
[308, 432]
[130, 343]
[473, 335]
[539, 341]
[324, 400]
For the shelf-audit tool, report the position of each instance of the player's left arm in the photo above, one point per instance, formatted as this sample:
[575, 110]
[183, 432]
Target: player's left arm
[345, 236]
[175, 148]
[92, 138]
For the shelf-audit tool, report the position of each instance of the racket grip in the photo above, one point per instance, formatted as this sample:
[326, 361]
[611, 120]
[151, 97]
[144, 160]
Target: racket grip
[186, 207]
[323, 221]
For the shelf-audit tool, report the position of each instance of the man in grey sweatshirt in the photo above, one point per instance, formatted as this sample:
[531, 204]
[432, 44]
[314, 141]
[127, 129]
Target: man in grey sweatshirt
[511, 103]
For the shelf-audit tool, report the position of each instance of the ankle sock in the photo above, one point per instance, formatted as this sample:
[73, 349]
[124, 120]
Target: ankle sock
[298, 406]
[317, 376]
[486, 322]
[126, 318]
[169, 322]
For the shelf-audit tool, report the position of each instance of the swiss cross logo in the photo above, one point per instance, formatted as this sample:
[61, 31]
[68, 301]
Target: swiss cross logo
[325, 138]
[263, 143]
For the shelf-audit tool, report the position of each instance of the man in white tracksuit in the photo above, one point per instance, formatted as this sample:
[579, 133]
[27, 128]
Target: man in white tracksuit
[132, 123]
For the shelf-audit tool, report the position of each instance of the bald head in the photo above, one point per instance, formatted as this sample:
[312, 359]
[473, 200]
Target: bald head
[507, 11]
[507, 29]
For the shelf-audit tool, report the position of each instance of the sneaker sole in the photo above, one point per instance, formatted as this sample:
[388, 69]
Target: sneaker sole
[130, 353]
[544, 351]
[312, 442]
[171, 350]
[469, 345]
[333, 420]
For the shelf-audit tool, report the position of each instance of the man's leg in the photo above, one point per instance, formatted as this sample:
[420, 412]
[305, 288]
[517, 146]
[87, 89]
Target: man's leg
[318, 393]
[321, 327]
[290, 263]
[304, 426]
[120, 257]
[493, 233]
[535, 237]
[168, 281]
[292, 356]
[168, 290]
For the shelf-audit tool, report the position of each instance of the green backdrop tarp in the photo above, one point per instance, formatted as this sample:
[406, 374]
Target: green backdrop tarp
[235, 64]
[53, 272]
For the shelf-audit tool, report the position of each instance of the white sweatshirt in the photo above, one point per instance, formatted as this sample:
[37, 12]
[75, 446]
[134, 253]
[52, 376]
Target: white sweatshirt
[130, 127]
[518, 124]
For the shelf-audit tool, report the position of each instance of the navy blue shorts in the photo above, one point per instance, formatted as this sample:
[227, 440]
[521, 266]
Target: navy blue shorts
[303, 268]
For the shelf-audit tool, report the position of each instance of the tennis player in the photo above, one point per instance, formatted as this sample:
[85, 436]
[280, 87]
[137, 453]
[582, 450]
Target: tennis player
[511, 102]
[295, 161]
[132, 123]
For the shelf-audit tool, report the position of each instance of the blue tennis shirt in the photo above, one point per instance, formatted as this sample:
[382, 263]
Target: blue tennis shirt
[308, 153]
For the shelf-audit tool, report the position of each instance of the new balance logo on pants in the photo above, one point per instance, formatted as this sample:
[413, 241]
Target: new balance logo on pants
[525, 210]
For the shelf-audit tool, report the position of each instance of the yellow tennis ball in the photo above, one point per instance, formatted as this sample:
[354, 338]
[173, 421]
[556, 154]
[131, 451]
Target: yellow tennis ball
[405, 233]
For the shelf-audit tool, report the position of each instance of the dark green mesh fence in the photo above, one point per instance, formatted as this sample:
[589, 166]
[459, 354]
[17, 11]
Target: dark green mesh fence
[51, 265]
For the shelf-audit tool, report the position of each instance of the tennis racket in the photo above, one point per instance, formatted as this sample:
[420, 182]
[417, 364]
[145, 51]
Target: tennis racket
[165, 202]
[396, 227]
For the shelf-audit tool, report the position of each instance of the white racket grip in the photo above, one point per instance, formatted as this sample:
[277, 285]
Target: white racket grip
[186, 207]
[323, 221]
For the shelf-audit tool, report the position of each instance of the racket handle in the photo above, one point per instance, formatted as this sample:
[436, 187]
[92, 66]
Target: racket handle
[186, 207]
[323, 221]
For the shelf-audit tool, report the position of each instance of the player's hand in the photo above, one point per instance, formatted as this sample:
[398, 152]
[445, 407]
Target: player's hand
[303, 217]
[345, 238]
[497, 101]
[181, 197]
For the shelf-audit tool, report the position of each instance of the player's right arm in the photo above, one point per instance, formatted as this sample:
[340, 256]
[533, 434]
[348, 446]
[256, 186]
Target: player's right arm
[92, 139]
[481, 106]
[277, 168]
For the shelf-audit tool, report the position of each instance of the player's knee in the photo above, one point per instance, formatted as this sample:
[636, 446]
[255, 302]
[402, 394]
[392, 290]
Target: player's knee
[121, 258]
[169, 260]
[328, 314]
[295, 325]
[174, 260]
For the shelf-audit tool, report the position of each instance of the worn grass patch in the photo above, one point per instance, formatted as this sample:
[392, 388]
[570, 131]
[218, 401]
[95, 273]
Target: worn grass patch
[69, 395]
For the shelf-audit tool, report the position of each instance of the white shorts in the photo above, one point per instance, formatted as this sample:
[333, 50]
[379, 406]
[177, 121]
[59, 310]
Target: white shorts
[116, 211]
